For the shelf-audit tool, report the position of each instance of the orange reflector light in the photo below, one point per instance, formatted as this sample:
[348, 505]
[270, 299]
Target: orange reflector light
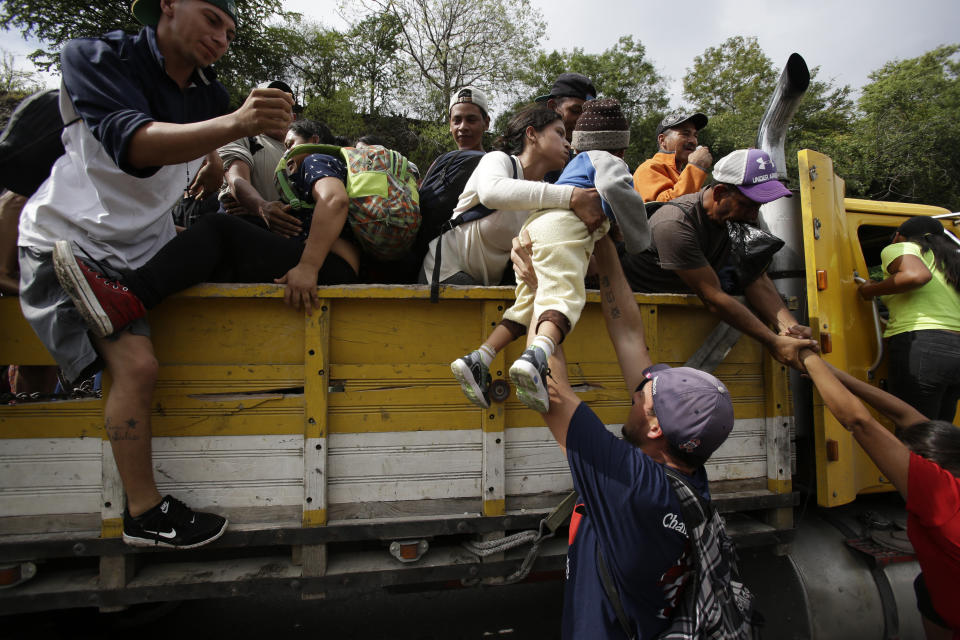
[821, 279]
[826, 343]
[9, 575]
[833, 450]
[408, 551]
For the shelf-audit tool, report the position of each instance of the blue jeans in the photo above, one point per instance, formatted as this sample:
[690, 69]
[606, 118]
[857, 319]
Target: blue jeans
[925, 371]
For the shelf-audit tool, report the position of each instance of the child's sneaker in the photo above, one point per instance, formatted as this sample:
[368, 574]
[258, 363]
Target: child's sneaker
[474, 378]
[172, 524]
[529, 374]
[106, 305]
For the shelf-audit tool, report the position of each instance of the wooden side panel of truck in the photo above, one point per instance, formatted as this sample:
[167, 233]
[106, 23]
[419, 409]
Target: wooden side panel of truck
[335, 434]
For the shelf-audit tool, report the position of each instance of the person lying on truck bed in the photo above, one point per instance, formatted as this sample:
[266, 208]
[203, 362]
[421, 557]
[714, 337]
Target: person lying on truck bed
[274, 214]
[691, 244]
[629, 512]
[222, 248]
[150, 110]
[250, 166]
[923, 462]
[507, 185]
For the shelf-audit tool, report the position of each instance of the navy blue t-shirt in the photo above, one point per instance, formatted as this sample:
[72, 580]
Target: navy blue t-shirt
[118, 83]
[630, 510]
[314, 167]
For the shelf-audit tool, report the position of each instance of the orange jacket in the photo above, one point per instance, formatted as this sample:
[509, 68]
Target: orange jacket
[657, 179]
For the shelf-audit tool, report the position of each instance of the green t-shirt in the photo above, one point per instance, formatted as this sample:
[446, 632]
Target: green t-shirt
[935, 305]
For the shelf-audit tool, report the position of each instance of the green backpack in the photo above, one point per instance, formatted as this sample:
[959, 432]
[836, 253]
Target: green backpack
[384, 209]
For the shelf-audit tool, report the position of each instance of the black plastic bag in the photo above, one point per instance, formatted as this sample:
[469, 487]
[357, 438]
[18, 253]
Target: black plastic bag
[751, 252]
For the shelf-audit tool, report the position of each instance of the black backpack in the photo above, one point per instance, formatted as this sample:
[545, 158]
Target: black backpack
[440, 191]
[31, 142]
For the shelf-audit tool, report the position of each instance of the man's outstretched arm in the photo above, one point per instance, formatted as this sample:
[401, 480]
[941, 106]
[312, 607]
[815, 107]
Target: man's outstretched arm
[622, 315]
[889, 454]
[899, 412]
[704, 282]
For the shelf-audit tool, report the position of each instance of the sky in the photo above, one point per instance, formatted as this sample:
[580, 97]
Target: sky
[847, 39]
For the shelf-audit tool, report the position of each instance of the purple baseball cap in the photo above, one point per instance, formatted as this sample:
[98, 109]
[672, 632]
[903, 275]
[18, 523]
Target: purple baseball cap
[693, 408]
[753, 172]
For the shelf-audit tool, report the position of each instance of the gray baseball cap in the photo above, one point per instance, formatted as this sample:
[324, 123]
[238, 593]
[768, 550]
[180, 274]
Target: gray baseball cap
[693, 408]
[678, 117]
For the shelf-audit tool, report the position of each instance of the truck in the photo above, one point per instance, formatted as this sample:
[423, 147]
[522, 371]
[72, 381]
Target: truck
[347, 460]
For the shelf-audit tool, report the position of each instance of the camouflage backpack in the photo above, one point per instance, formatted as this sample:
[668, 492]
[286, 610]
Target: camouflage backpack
[384, 209]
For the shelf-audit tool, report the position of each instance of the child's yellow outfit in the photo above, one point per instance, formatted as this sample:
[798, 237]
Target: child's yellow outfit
[561, 252]
[562, 246]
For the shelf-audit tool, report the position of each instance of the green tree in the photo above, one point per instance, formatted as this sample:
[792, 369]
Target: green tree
[453, 43]
[256, 54]
[15, 80]
[905, 144]
[316, 61]
[732, 84]
[373, 45]
[623, 72]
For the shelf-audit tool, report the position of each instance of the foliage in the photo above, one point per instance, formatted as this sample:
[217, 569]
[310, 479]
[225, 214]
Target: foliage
[905, 145]
[454, 43]
[14, 80]
[255, 55]
[316, 65]
[407, 56]
[373, 45]
[622, 72]
[732, 84]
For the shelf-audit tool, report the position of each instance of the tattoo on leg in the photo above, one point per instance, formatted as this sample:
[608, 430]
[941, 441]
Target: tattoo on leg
[127, 431]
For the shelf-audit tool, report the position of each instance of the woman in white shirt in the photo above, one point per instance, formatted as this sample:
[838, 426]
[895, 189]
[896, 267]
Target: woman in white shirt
[533, 144]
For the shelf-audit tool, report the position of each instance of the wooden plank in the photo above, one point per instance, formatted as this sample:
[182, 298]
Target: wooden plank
[416, 465]
[779, 425]
[316, 427]
[49, 476]
[113, 499]
[493, 484]
[373, 511]
[313, 559]
[20, 344]
[196, 380]
[55, 419]
[534, 463]
[116, 571]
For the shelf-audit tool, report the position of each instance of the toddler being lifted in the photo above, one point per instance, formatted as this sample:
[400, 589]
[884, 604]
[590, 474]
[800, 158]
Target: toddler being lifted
[562, 246]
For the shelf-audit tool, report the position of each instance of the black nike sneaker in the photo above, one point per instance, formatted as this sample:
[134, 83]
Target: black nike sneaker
[172, 524]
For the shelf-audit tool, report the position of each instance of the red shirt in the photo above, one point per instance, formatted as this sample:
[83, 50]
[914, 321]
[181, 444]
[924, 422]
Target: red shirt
[933, 526]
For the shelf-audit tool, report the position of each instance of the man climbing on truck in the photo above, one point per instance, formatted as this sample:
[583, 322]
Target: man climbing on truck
[630, 523]
[150, 109]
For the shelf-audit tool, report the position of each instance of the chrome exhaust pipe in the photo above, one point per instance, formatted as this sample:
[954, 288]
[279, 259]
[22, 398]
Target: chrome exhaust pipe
[782, 217]
[772, 135]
